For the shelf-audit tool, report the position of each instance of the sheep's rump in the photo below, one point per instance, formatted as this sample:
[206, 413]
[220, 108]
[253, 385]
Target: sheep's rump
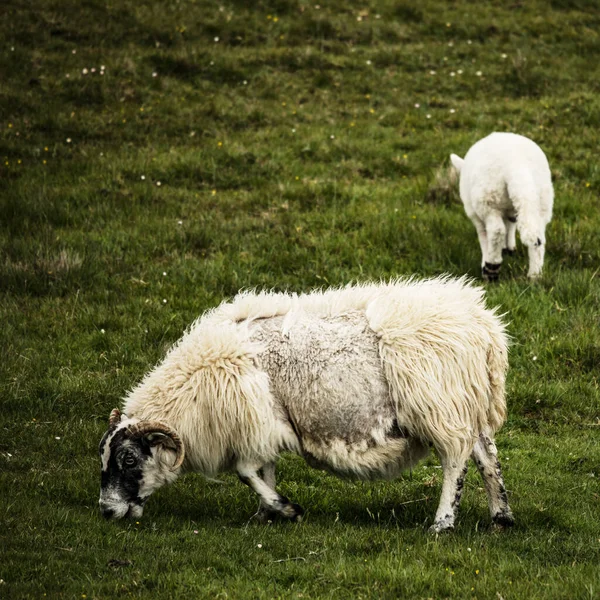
[509, 173]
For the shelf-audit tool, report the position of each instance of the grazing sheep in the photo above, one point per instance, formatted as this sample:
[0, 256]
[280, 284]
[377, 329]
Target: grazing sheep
[505, 184]
[360, 381]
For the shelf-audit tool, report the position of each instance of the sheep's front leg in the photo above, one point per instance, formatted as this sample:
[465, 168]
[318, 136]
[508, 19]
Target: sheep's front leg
[455, 471]
[511, 238]
[270, 500]
[264, 513]
[485, 456]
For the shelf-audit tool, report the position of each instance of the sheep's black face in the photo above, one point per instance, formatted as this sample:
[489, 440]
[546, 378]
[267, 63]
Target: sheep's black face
[127, 467]
[137, 458]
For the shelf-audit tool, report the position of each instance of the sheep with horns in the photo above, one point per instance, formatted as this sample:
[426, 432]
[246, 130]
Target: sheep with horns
[361, 381]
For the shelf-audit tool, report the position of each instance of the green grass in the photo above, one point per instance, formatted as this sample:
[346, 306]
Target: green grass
[290, 155]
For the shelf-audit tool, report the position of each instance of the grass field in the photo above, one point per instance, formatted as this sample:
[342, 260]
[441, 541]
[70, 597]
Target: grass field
[158, 156]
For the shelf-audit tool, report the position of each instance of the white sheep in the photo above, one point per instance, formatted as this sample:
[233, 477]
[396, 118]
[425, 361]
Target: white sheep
[360, 380]
[505, 184]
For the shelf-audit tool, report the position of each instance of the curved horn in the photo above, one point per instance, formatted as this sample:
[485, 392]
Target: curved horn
[115, 417]
[144, 428]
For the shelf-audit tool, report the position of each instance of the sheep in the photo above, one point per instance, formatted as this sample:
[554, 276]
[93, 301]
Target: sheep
[360, 381]
[505, 184]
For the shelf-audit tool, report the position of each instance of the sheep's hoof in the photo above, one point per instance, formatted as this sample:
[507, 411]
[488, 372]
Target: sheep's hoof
[298, 513]
[442, 526]
[491, 271]
[503, 520]
[291, 511]
[508, 251]
[264, 516]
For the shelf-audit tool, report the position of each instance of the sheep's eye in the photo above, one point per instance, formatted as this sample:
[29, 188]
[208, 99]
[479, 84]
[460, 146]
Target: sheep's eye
[129, 461]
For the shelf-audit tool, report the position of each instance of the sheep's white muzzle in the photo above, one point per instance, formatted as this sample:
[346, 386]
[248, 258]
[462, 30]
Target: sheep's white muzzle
[118, 510]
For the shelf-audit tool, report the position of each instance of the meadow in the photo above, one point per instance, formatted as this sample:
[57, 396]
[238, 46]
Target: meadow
[156, 157]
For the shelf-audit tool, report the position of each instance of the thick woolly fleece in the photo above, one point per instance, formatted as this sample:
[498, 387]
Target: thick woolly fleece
[358, 379]
[505, 184]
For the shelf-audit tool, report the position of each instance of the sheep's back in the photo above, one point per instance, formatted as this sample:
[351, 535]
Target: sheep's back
[327, 373]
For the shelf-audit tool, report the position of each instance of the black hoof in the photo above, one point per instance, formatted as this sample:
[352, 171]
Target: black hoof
[299, 512]
[504, 520]
[507, 252]
[288, 510]
[264, 516]
[491, 271]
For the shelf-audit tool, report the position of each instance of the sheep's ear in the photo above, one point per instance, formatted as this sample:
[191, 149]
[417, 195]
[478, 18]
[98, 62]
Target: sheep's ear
[457, 162]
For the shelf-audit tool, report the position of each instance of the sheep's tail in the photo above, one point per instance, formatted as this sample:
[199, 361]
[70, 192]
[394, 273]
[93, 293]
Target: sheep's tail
[525, 197]
[497, 362]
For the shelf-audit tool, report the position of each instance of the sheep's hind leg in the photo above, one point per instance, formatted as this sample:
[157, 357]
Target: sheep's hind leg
[511, 239]
[455, 471]
[536, 258]
[270, 500]
[485, 456]
[482, 235]
[496, 237]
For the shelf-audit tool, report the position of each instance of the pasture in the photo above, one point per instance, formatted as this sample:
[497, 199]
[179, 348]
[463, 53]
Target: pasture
[155, 157]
